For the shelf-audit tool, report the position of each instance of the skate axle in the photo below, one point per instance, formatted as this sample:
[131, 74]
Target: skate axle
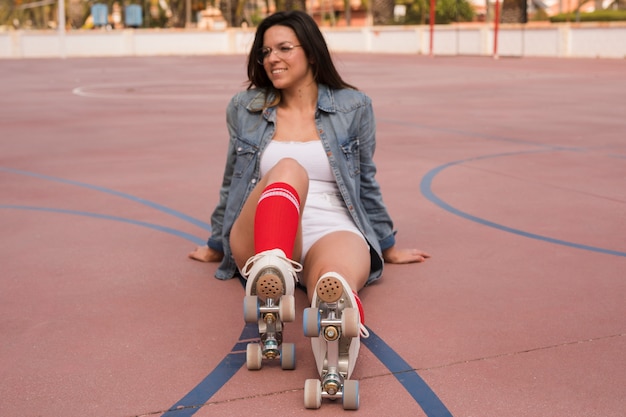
[332, 395]
[270, 307]
[330, 322]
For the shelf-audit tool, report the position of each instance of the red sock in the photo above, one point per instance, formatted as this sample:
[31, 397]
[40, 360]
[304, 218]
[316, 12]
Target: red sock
[360, 306]
[277, 218]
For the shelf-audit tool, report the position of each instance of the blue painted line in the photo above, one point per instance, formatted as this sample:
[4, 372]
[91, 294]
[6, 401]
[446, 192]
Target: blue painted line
[229, 366]
[401, 370]
[148, 203]
[223, 372]
[108, 217]
[407, 376]
[426, 190]
[226, 369]
[404, 373]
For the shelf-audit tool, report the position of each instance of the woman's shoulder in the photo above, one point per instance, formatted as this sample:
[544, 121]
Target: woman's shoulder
[245, 96]
[345, 98]
[250, 99]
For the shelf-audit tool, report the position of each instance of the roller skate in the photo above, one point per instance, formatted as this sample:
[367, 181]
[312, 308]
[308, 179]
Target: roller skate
[334, 323]
[270, 303]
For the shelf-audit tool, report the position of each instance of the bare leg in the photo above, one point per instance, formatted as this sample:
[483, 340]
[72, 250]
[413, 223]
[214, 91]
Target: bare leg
[242, 234]
[340, 259]
[342, 252]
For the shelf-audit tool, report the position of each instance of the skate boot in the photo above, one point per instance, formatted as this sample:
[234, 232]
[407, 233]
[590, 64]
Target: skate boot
[270, 302]
[334, 323]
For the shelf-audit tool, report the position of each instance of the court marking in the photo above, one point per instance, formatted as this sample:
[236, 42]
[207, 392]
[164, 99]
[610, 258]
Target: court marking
[105, 190]
[205, 91]
[427, 191]
[152, 226]
[189, 404]
[233, 361]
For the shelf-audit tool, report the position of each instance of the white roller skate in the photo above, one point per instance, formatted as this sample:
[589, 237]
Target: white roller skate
[334, 325]
[270, 302]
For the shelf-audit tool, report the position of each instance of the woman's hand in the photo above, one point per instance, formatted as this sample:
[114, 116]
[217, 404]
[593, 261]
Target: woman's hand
[206, 254]
[394, 255]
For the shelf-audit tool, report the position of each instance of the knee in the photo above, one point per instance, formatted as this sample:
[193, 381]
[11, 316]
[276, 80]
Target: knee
[290, 165]
[289, 170]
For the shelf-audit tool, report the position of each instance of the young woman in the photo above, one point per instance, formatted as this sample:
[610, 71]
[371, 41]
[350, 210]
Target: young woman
[299, 201]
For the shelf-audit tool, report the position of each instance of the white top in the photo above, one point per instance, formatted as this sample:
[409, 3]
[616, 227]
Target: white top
[310, 155]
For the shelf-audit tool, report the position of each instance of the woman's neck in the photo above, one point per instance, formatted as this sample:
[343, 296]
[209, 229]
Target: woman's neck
[303, 97]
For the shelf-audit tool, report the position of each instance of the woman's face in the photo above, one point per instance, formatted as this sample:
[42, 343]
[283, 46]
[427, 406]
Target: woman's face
[284, 60]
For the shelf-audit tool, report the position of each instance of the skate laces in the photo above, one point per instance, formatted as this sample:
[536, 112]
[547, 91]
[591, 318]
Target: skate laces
[292, 266]
[364, 332]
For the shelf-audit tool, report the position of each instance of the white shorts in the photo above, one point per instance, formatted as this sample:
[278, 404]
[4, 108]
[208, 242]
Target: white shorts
[324, 213]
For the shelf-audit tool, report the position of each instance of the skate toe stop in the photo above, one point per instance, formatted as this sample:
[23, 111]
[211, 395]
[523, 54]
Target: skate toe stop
[270, 286]
[329, 289]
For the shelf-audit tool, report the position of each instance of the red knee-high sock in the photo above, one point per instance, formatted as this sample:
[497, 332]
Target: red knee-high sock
[277, 218]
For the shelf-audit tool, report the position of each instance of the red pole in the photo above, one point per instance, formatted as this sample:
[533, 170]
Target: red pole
[495, 31]
[432, 25]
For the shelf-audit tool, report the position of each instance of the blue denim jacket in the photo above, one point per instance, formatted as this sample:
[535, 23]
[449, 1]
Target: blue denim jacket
[346, 126]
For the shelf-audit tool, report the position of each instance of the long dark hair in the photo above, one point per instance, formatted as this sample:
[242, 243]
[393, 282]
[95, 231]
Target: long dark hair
[313, 44]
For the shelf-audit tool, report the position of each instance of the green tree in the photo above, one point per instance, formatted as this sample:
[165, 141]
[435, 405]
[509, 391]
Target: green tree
[27, 13]
[382, 11]
[446, 11]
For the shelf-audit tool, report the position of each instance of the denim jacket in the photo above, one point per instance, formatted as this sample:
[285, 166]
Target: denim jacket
[346, 126]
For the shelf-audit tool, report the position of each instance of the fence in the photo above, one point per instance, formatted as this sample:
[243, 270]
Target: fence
[589, 40]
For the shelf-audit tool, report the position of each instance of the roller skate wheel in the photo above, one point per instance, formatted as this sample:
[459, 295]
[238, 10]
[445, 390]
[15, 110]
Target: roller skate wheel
[350, 322]
[251, 308]
[287, 308]
[350, 395]
[312, 393]
[288, 356]
[254, 356]
[311, 322]
[269, 285]
[329, 289]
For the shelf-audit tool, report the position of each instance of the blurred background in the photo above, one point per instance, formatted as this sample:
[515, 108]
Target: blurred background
[221, 14]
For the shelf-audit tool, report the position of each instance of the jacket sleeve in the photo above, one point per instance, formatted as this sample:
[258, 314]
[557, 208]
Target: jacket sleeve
[370, 192]
[217, 218]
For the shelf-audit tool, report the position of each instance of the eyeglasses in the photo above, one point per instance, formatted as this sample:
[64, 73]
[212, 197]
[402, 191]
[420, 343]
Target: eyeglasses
[283, 52]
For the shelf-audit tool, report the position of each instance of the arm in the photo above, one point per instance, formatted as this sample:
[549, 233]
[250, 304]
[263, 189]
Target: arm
[213, 251]
[372, 199]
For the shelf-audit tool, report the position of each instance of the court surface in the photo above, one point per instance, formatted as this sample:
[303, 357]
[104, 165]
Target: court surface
[510, 172]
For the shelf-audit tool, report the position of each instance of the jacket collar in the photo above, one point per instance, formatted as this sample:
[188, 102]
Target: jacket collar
[325, 100]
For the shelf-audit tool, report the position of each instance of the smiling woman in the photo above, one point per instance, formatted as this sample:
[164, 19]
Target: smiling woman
[311, 215]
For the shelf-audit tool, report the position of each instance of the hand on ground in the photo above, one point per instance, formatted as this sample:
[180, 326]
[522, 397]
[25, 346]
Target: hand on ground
[205, 254]
[394, 255]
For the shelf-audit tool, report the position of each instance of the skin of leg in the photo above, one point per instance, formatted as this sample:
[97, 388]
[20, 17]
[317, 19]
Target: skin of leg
[343, 252]
[287, 170]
